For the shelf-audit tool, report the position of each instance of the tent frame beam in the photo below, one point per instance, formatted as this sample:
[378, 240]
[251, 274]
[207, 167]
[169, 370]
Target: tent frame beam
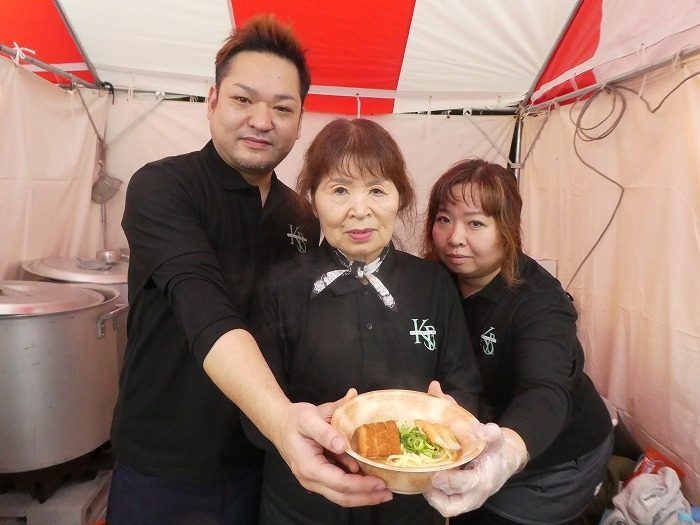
[681, 55]
[48, 67]
[567, 97]
[552, 51]
[76, 40]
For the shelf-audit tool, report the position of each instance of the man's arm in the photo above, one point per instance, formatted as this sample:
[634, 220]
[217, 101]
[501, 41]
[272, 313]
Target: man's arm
[298, 430]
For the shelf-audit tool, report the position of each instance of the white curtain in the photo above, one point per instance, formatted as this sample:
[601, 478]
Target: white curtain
[48, 161]
[49, 154]
[637, 294]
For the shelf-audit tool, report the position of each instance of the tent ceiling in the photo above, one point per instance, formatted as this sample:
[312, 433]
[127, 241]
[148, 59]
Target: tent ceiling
[399, 55]
[395, 55]
[610, 38]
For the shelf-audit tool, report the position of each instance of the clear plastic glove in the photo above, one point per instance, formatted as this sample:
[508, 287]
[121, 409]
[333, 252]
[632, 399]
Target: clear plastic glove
[458, 491]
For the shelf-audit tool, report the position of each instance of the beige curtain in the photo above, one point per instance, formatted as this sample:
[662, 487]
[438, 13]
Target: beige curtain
[143, 128]
[48, 155]
[638, 292]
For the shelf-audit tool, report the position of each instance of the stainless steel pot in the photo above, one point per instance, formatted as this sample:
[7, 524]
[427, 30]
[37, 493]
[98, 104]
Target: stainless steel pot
[58, 371]
[110, 267]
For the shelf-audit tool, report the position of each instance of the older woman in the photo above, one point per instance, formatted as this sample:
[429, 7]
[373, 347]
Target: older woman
[523, 330]
[358, 313]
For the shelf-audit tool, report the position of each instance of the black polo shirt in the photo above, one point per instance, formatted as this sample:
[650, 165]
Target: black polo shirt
[531, 364]
[345, 337]
[199, 240]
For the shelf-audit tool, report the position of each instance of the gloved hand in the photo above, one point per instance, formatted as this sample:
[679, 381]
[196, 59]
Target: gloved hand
[458, 491]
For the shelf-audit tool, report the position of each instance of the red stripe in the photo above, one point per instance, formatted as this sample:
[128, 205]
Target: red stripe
[352, 43]
[579, 44]
[57, 79]
[37, 25]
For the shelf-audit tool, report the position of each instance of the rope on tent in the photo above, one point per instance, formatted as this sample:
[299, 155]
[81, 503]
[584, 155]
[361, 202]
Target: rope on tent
[359, 104]
[574, 84]
[581, 131]
[467, 113]
[160, 97]
[646, 102]
[642, 51]
[19, 53]
[583, 134]
[106, 185]
[100, 139]
[110, 89]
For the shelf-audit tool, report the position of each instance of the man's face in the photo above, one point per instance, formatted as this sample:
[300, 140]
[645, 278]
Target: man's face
[255, 115]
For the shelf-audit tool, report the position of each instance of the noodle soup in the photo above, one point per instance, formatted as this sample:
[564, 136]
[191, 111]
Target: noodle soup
[410, 444]
[405, 474]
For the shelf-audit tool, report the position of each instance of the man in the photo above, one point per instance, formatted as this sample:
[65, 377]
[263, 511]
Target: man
[202, 228]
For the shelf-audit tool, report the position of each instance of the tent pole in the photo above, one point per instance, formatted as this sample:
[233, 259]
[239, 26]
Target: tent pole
[515, 150]
[103, 221]
[75, 38]
[553, 50]
[515, 160]
[48, 67]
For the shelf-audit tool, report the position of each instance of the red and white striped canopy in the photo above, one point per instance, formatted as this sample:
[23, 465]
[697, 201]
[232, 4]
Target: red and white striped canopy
[387, 56]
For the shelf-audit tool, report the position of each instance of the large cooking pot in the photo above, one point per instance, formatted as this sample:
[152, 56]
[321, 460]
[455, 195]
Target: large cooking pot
[58, 371]
[110, 267]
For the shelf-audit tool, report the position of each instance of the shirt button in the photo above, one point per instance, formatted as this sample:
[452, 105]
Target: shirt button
[369, 326]
[364, 292]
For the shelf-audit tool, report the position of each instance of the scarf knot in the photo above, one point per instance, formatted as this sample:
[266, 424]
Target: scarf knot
[360, 271]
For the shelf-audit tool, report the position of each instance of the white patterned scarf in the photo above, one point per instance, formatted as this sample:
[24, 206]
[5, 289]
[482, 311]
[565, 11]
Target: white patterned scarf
[360, 271]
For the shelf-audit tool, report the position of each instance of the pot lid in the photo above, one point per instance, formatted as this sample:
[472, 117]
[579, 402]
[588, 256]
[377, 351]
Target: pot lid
[34, 297]
[77, 270]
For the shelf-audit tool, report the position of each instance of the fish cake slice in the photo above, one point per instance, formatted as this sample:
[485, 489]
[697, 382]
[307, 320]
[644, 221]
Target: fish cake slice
[439, 434]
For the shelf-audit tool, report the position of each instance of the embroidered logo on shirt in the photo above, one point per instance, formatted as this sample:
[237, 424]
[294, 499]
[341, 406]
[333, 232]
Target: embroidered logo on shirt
[488, 339]
[296, 237]
[424, 333]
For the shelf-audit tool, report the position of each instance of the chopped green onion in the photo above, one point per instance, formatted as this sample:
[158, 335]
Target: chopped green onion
[414, 441]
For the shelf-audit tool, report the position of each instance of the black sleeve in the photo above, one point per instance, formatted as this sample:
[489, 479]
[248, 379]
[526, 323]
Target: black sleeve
[546, 369]
[459, 372]
[196, 292]
[170, 248]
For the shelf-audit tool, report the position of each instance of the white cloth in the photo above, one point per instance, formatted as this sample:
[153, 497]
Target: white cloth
[651, 499]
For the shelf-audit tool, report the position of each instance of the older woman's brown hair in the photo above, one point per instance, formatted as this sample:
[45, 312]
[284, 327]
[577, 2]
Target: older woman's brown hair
[495, 189]
[363, 144]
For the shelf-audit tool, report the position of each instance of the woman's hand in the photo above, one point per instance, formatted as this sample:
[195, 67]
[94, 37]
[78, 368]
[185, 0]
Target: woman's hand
[305, 433]
[435, 390]
[458, 491]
